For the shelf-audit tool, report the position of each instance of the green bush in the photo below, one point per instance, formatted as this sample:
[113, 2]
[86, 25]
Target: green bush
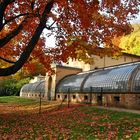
[12, 86]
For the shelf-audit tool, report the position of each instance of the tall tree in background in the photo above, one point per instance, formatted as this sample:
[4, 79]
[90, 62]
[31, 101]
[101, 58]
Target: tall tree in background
[131, 43]
[80, 27]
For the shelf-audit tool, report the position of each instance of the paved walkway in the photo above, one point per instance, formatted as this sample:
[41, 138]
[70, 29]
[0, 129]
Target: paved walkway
[120, 109]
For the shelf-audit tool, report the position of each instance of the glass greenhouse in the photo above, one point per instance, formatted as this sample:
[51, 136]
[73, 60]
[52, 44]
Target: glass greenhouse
[32, 88]
[117, 79]
[122, 78]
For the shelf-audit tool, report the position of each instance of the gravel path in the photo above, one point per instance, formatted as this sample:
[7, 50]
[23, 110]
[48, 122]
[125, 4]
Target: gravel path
[120, 109]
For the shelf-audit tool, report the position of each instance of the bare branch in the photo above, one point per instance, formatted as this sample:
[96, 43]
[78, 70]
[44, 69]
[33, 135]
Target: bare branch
[49, 27]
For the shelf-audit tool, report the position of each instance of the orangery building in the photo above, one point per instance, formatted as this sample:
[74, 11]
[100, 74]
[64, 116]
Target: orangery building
[108, 82]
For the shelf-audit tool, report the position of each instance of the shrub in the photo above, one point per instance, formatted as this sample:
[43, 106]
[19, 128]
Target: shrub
[12, 86]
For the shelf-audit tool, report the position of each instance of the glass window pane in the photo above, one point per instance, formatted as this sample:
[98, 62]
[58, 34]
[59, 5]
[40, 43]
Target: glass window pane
[72, 82]
[110, 80]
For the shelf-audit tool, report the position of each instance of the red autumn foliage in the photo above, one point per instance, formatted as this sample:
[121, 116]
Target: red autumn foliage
[76, 24]
[76, 122]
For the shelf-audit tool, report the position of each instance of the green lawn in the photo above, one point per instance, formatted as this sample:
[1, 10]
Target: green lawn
[17, 100]
[79, 122]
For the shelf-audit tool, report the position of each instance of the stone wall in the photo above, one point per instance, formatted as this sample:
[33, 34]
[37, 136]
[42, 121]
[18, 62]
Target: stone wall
[60, 72]
[113, 100]
[108, 61]
[32, 95]
[100, 62]
[132, 100]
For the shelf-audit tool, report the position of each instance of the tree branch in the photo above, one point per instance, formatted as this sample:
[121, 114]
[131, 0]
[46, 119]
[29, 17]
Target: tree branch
[49, 27]
[3, 6]
[12, 34]
[25, 55]
[20, 15]
[6, 60]
[13, 18]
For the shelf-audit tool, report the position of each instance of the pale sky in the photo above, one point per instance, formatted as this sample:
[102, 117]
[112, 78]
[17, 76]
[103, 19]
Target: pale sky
[50, 41]
[136, 20]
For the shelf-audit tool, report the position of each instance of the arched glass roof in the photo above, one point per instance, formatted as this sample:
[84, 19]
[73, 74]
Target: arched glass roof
[136, 83]
[112, 79]
[37, 87]
[122, 78]
[72, 82]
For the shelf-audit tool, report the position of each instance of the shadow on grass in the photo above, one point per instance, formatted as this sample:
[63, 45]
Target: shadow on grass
[77, 122]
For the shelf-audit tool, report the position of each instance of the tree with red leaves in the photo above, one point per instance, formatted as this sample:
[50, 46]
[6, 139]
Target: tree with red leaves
[80, 28]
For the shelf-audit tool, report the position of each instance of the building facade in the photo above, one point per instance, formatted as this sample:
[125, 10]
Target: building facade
[95, 83]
